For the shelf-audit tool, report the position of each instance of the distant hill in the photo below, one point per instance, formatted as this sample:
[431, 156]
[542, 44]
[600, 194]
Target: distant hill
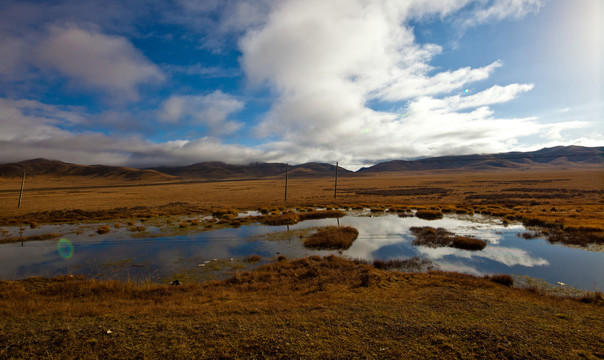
[555, 157]
[219, 170]
[559, 156]
[37, 167]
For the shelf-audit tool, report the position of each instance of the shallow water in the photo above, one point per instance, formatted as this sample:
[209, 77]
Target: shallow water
[214, 254]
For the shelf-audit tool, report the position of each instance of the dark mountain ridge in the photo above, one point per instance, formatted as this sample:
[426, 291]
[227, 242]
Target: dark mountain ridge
[36, 167]
[219, 170]
[555, 158]
[558, 156]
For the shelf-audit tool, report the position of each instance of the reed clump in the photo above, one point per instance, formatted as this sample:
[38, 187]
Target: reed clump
[332, 238]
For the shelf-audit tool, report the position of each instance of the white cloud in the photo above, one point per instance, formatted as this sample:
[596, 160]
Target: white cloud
[500, 9]
[98, 61]
[326, 61]
[211, 110]
[493, 95]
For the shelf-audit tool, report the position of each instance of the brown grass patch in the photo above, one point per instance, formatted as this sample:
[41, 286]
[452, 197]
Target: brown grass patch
[332, 237]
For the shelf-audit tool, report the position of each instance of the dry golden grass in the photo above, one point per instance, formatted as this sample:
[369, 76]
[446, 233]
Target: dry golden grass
[308, 308]
[568, 200]
[428, 236]
[332, 237]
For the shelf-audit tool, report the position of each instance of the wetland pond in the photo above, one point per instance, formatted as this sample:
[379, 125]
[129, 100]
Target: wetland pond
[196, 255]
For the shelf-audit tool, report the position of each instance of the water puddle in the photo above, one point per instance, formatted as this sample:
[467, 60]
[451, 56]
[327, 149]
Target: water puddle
[193, 255]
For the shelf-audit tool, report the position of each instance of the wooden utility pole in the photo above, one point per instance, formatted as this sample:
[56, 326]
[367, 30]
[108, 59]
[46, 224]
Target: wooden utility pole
[286, 168]
[335, 188]
[21, 192]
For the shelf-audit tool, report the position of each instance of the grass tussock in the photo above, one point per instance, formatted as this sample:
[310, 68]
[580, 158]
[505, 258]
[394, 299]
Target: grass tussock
[332, 237]
[103, 229]
[429, 214]
[431, 237]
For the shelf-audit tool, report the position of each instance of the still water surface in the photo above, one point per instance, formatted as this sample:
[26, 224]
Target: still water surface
[216, 253]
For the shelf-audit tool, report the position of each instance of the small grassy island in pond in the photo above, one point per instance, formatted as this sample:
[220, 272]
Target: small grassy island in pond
[332, 237]
[429, 214]
[429, 236]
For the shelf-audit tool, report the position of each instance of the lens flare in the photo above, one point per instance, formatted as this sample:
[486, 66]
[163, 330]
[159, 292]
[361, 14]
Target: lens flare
[65, 248]
[467, 91]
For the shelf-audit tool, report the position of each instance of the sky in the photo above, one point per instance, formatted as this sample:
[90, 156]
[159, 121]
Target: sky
[149, 83]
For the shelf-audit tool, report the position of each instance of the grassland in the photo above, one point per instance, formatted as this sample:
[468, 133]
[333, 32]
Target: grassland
[566, 204]
[308, 308]
[313, 307]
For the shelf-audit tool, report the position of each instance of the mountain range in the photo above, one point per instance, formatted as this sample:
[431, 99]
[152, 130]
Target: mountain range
[555, 157]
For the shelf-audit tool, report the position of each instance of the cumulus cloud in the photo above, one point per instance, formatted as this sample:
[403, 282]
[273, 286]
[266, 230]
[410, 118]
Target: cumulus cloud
[327, 61]
[211, 110]
[98, 61]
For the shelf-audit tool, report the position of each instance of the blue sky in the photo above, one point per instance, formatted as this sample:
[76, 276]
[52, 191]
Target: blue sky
[146, 83]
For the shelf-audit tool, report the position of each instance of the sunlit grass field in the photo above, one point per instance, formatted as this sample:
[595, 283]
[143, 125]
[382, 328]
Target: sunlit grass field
[308, 308]
[312, 307]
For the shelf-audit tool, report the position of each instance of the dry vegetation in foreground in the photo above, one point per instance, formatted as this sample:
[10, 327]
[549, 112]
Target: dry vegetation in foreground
[332, 238]
[308, 308]
[429, 236]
